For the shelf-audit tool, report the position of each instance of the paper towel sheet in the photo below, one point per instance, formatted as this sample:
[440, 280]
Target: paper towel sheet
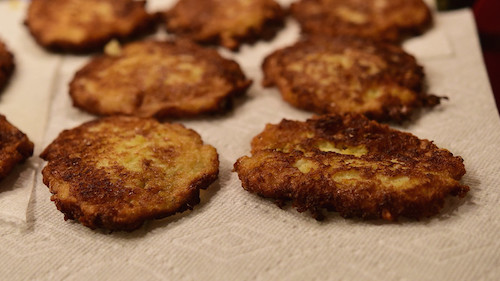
[235, 235]
[25, 103]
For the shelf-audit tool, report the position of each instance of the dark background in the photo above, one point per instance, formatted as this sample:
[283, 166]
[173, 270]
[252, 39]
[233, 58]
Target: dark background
[487, 15]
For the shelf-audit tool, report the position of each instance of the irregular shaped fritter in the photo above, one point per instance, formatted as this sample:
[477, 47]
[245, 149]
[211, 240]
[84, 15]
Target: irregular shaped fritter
[117, 172]
[348, 75]
[86, 25]
[7, 65]
[158, 79]
[390, 20]
[15, 147]
[352, 165]
[225, 22]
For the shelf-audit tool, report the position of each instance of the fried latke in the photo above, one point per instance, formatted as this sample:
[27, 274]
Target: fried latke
[348, 75]
[7, 65]
[86, 25]
[158, 79]
[390, 20]
[228, 23]
[117, 172]
[15, 147]
[352, 165]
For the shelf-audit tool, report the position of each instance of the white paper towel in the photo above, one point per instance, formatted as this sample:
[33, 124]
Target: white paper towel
[234, 235]
[25, 103]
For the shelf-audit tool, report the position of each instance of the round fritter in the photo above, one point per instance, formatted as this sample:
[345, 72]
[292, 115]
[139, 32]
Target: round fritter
[352, 165]
[86, 25]
[117, 172]
[7, 65]
[228, 23]
[15, 147]
[390, 20]
[160, 79]
[348, 75]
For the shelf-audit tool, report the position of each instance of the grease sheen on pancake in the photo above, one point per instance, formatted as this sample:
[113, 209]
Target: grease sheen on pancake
[228, 23]
[158, 79]
[390, 20]
[117, 172]
[352, 165]
[15, 147]
[348, 75]
[86, 25]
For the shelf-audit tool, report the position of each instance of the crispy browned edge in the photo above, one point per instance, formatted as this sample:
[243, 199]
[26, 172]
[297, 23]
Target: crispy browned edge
[15, 147]
[391, 33]
[272, 66]
[229, 69]
[73, 211]
[142, 29]
[266, 32]
[309, 193]
[7, 65]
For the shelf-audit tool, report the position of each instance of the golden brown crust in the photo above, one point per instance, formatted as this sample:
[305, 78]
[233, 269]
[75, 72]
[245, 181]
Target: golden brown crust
[158, 79]
[228, 23]
[390, 20]
[117, 172]
[86, 25]
[348, 75]
[15, 147]
[352, 165]
[7, 65]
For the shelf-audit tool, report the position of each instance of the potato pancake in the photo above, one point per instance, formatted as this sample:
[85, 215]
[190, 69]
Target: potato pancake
[82, 26]
[352, 165]
[348, 75]
[119, 171]
[15, 147]
[228, 23]
[158, 79]
[390, 20]
[7, 65]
